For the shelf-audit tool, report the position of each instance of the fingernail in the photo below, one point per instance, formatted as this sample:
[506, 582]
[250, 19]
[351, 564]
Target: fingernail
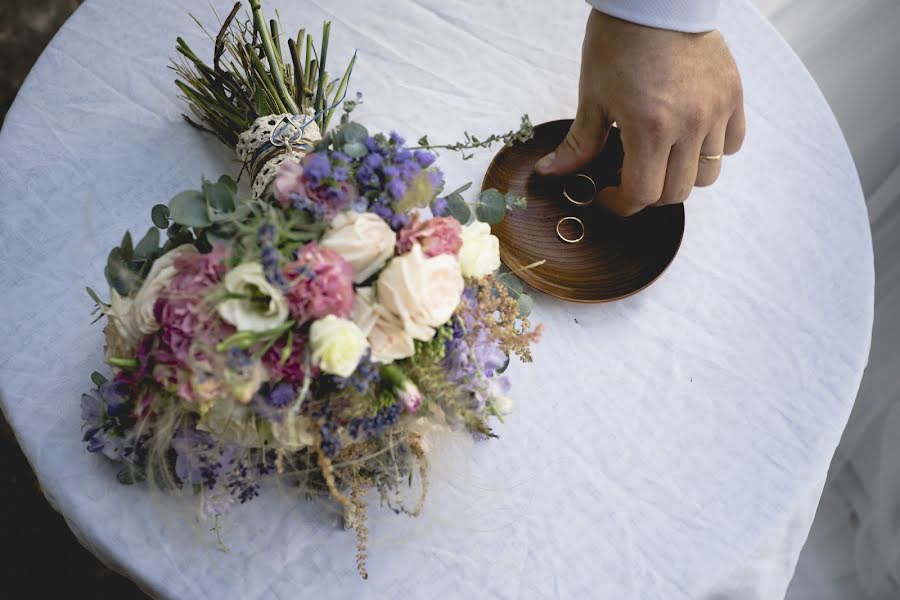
[545, 163]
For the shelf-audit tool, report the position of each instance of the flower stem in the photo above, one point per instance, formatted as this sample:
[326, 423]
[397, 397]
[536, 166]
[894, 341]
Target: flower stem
[275, 68]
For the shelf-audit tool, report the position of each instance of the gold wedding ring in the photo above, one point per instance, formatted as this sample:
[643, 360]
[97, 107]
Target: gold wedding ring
[564, 238]
[582, 202]
[710, 157]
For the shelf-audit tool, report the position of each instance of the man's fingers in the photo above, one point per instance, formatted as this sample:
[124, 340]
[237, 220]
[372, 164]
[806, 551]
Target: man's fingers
[583, 143]
[643, 177]
[681, 172]
[713, 145]
[734, 134]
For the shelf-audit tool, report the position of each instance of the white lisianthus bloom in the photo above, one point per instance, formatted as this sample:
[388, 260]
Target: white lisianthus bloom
[387, 337]
[423, 292]
[263, 307]
[337, 345]
[480, 253]
[363, 239]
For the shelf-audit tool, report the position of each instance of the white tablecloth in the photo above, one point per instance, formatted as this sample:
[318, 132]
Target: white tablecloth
[670, 445]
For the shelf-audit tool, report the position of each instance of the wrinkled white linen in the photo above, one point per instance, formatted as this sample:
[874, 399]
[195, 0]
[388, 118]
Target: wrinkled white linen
[671, 445]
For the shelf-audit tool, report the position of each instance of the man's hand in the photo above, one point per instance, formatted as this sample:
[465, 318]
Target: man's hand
[674, 96]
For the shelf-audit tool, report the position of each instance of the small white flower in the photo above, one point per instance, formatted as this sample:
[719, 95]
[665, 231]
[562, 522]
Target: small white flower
[363, 239]
[263, 307]
[480, 253]
[337, 345]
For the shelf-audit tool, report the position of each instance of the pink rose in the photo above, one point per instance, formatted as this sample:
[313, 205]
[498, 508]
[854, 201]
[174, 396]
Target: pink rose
[288, 181]
[440, 235]
[321, 284]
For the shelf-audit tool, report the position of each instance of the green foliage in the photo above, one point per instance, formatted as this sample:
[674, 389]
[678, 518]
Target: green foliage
[98, 378]
[524, 133]
[457, 206]
[491, 207]
[435, 349]
[160, 216]
[189, 209]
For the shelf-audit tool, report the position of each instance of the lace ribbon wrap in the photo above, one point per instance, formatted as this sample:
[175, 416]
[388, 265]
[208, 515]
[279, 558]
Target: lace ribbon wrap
[294, 137]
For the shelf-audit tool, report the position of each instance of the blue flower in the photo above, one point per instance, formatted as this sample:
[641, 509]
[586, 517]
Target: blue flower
[281, 395]
[425, 158]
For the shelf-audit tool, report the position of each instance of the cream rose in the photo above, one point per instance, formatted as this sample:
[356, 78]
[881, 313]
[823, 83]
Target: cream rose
[480, 253]
[423, 292]
[337, 345]
[263, 307]
[133, 316]
[363, 239]
[384, 331]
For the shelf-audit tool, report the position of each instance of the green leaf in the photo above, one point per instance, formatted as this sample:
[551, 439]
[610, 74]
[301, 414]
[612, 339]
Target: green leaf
[526, 305]
[355, 149]
[127, 246]
[219, 198]
[503, 367]
[128, 476]
[159, 214]
[513, 201]
[458, 209]
[218, 233]
[189, 209]
[148, 245]
[461, 189]
[98, 378]
[230, 183]
[491, 207]
[513, 284]
[118, 275]
[95, 297]
[423, 141]
[353, 132]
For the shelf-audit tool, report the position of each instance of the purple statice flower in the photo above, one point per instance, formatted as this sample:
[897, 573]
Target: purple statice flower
[269, 256]
[375, 425]
[439, 207]
[396, 188]
[392, 174]
[424, 158]
[317, 168]
[237, 359]
[365, 375]
[241, 484]
[281, 395]
[331, 441]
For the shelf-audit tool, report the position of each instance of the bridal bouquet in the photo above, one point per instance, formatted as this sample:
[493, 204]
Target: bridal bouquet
[317, 328]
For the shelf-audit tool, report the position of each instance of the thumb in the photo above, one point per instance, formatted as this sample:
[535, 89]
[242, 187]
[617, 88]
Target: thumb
[585, 140]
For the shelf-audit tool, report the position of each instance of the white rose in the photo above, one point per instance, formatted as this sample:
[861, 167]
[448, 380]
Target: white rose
[120, 313]
[161, 273]
[423, 292]
[387, 337]
[263, 308]
[363, 239]
[480, 253]
[337, 345]
[133, 316]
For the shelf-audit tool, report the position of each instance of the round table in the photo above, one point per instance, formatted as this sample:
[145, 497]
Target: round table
[670, 445]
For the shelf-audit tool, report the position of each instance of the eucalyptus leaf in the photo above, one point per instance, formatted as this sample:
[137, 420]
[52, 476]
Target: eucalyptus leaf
[462, 188]
[127, 246]
[189, 209]
[228, 182]
[526, 305]
[148, 245]
[159, 214]
[491, 207]
[353, 132]
[458, 209]
[219, 198]
[219, 234]
[355, 149]
[118, 275]
[504, 366]
[512, 283]
[514, 201]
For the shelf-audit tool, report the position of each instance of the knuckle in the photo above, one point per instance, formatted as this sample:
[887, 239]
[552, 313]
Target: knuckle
[655, 122]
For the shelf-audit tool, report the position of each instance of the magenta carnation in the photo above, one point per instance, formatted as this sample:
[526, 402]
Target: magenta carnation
[440, 235]
[291, 370]
[320, 284]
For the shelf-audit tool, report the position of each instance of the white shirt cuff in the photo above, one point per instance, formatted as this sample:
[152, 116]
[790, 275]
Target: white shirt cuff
[691, 16]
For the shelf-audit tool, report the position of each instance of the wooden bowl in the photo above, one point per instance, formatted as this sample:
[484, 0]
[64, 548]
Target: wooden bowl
[617, 257]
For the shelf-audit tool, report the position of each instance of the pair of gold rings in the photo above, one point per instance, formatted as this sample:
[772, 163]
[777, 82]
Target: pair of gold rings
[578, 194]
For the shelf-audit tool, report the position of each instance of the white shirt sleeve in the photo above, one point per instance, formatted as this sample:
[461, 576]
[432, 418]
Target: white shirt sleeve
[691, 16]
